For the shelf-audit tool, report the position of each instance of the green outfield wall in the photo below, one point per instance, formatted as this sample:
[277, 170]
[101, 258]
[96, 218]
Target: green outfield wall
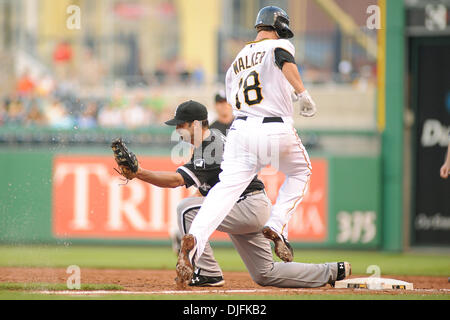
[25, 197]
[42, 201]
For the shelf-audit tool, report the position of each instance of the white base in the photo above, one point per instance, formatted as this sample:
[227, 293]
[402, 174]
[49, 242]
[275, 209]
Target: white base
[373, 283]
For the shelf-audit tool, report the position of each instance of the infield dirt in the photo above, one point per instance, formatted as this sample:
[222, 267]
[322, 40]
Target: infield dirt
[163, 280]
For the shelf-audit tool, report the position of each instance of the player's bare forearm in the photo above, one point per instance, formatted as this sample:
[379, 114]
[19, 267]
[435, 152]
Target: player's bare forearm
[161, 179]
[292, 75]
[448, 155]
[445, 169]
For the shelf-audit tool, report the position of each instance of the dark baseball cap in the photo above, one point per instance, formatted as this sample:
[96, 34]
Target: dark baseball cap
[220, 96]
[188, 111]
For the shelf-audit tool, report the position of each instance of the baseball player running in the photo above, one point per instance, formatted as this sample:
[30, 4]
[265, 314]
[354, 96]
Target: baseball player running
[261, 85]
[246, 217]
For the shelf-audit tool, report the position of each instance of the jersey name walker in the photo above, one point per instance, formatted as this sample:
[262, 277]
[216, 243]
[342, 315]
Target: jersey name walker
[255, 84]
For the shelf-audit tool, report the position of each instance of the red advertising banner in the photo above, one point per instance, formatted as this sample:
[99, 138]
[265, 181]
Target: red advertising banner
[91, 201]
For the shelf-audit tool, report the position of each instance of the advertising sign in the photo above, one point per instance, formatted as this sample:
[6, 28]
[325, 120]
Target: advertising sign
[90, 200]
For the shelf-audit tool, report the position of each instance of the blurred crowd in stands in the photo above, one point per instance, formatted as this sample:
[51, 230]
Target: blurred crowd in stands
[54, 100]
[41, 103]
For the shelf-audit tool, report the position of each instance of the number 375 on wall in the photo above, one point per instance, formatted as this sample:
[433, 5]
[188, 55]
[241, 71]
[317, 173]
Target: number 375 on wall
[356, 227]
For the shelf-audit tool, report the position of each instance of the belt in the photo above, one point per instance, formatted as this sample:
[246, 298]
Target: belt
[265, 119]
[244, 196]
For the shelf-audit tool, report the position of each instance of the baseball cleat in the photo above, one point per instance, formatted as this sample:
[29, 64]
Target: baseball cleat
[206, 281]
[185, 267]
[344, 269]
[283, 249]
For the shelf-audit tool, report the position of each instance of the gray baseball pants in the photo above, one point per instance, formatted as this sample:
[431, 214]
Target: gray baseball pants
[243, 225]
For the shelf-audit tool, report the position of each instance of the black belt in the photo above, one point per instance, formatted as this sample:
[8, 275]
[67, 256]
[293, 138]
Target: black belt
[265, 120]
[244, 196]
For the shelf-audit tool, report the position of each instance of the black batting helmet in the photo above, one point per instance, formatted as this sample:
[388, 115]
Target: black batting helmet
[276, 18]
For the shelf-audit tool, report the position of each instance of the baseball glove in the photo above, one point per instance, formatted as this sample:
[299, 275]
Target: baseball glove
[126, 160]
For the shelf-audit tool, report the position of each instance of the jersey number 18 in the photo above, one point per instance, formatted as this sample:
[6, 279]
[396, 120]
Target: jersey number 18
[247, 88]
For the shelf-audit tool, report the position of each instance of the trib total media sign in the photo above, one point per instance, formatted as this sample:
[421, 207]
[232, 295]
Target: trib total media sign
[91, 201]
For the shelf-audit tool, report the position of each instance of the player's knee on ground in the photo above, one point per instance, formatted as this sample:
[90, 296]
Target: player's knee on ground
[261, 278]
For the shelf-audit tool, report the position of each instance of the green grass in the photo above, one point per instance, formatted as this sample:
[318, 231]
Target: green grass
[88, 257]
[164, 258]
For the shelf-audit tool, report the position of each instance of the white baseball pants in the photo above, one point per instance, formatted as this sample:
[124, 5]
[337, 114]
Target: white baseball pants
[251, 146]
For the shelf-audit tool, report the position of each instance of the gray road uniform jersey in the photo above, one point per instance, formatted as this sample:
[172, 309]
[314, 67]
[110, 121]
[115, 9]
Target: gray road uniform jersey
[203, 169]
[243, 225]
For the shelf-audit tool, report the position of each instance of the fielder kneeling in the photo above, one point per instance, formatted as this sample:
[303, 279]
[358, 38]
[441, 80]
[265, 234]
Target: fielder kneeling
[245, 220]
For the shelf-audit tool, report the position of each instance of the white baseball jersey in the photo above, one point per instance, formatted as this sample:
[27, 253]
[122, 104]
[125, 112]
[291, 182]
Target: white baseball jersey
[255, 85]
[256, 88]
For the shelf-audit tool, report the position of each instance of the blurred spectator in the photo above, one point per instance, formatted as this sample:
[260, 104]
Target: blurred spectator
[88, 118]
[92, 70]
[365, 78]
[25, 85]
[110, 117]
[3, 112]
[179, 71]
[185, 76]
[119, 99]
[62, 57]
[157, 104]
[198, 75]
[16, 112]
[45, 85]
[160, 76]
[345, 71]
[62, 52]
[35, 116]
[172, 71]
[314, 74]
[57, 116]
[224, 113]
[136, 116]
[163, 71]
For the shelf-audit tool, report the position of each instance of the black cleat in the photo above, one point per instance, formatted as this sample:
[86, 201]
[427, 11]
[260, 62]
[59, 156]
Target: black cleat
[344, 269]
[206, 281]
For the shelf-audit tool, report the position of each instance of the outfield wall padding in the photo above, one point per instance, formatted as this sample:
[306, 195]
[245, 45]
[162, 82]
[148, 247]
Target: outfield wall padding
[61, 197]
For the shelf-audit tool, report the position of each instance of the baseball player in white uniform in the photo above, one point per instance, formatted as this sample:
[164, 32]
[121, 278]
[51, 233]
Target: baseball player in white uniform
[445, 169]
[261, 85]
